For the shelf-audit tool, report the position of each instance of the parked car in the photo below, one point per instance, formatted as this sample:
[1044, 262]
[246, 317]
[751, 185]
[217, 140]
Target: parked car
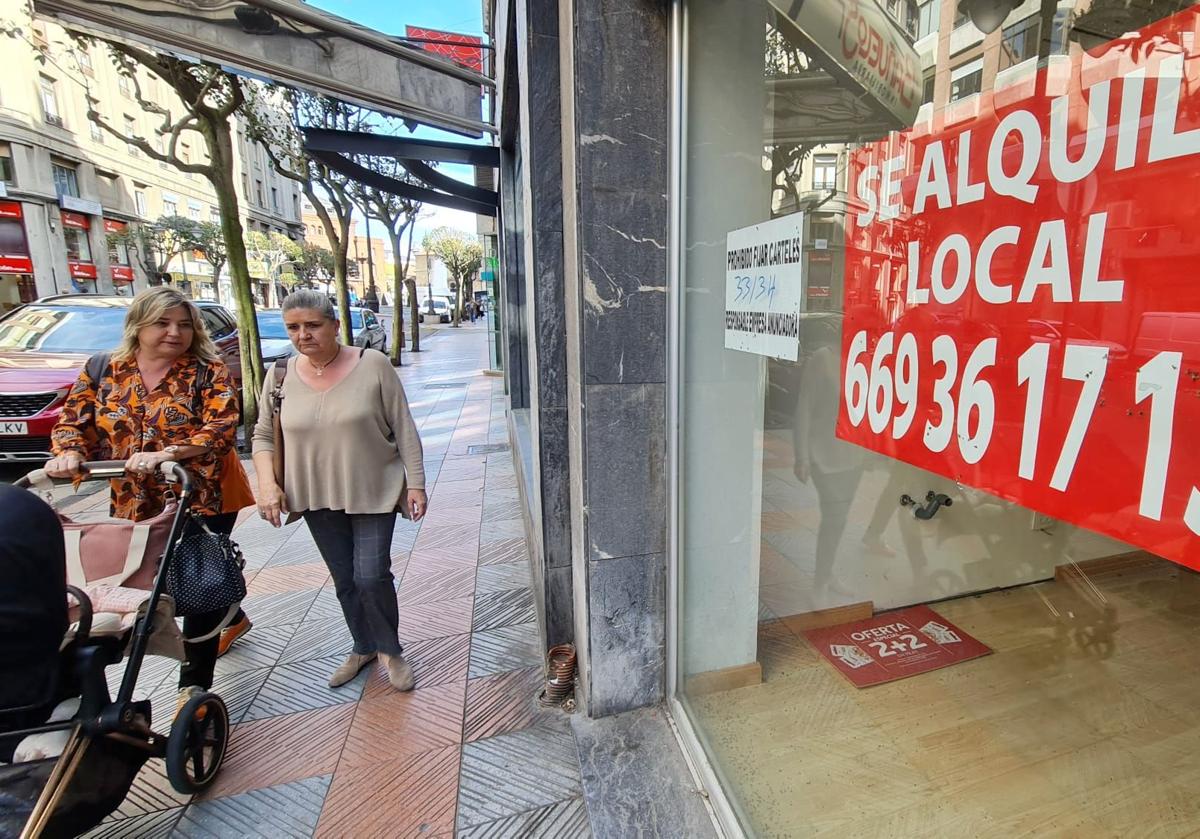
[366, 330]
[436, 307]
[43, 346]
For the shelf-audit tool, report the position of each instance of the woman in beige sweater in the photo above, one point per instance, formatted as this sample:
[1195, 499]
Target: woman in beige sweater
[353, 458]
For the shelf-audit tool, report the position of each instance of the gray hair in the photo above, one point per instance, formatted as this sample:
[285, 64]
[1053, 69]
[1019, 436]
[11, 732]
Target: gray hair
[307, 298]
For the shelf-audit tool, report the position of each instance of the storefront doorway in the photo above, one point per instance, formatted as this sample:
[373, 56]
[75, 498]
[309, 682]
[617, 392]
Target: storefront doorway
[937, 526]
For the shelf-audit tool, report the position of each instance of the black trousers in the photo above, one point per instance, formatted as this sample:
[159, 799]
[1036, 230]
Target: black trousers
[202, 657]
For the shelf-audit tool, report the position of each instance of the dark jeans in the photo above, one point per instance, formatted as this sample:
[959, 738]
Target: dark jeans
[202, 657]
[357, 548]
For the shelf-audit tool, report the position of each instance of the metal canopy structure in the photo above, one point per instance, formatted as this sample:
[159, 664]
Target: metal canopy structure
[330, 147]
[298, 45]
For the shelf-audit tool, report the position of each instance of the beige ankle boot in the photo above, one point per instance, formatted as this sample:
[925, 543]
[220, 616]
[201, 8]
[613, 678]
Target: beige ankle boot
[400, 672]
[349, 668]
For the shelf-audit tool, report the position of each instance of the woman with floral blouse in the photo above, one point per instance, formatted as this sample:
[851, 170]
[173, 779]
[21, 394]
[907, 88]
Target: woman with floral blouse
[164, 394]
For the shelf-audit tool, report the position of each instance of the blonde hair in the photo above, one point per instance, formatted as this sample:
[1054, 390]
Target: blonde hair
[148, 307]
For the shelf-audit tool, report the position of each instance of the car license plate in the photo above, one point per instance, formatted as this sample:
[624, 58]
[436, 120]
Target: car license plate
[13, 429]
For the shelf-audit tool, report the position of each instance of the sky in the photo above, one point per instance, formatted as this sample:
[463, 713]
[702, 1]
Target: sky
[391, 18]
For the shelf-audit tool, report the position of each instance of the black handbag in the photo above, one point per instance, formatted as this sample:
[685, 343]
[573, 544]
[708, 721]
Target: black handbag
[205, 572]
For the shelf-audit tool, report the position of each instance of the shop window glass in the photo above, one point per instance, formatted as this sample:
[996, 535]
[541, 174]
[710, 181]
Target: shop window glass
[79, 248]
[65, 179]
[12, 237]
[938, 563]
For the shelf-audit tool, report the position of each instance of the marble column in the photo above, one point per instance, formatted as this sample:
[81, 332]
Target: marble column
[615, 234]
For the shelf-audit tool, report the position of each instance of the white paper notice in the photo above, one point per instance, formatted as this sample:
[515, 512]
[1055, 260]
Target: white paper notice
[764, 287]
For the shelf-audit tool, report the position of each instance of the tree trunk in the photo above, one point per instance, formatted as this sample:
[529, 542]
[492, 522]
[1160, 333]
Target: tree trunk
[414, 315]
[456, 315]
[397, 350]
[342, 291]
[220, 144]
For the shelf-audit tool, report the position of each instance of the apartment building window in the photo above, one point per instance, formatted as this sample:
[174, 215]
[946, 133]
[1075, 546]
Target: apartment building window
[194, 212]
[96, 133]
[275, 200]
[214, 215]
[84, 59]
[1058, 32]
[139, 202]
[927, 90]
[928, 15]
[6, 164]
[50, 110]
[130, 131]
[125, 85]
[825, 171]
[1020, 42]
[960, 15]
[170, 206]
[295, 206]
[258, 193]
[160, 146]
[66, 181]
[966, 80]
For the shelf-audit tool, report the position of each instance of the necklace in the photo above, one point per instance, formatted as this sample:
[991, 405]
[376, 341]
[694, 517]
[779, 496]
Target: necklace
[320, 368]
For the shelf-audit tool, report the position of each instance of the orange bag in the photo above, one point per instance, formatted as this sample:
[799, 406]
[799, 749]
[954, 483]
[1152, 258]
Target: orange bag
[235, 486]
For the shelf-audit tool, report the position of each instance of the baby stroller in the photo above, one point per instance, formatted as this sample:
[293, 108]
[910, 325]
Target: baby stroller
[109, 739]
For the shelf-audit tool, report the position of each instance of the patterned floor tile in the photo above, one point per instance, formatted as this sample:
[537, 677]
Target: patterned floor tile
[156, 825]
[285, 607]
[461, 469]
[283, 578]
[503, 608]
[296, 553]
[501, 529]
[466, 498]
[451, 556]
[507, 648]
[449, 537]
[151, 792]
[318, 639]
[513, 773]
[280, 750]
[326, 605]
[564, 820]
[437, 584]
[290, 810]
[239, 690]
[472, 486]
[393, 726]
[503, 703]
[450, 515]
[303, 686]
[502, 577]
[260, 647]
[419, 621]
[504, 551]
[413, 797]
[434, 661]
[496, 510]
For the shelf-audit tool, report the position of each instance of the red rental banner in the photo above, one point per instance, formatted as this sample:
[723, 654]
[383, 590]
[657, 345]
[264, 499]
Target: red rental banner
[1021, 308]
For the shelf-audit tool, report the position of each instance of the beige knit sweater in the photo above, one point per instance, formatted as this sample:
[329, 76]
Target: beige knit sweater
[348, 448]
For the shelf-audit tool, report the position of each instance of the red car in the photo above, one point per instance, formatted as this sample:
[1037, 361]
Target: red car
[43, 346]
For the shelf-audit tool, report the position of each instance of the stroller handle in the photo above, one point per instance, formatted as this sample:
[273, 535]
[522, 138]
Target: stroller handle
[107, 469]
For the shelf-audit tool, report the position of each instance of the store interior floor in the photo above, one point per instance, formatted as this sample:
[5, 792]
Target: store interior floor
[1084, 722]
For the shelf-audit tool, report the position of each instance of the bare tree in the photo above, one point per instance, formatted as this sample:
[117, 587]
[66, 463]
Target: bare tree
[399, 216]
[462, 255]
[280, 130]
[210, 241]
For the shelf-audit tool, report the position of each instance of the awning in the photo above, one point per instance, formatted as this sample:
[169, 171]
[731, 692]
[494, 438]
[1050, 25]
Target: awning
[293, 43]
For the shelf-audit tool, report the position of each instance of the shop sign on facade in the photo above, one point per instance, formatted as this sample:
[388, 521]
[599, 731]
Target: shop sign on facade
[76, 220]
[764, 287]
[1022, 313]
[14, 251]
[80, 205]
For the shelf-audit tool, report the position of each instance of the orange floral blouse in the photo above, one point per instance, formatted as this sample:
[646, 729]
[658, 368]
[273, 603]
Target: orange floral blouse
[116, 418]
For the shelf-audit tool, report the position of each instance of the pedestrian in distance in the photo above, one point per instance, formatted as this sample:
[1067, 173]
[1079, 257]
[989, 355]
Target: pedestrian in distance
[336, 444]
[162, 395]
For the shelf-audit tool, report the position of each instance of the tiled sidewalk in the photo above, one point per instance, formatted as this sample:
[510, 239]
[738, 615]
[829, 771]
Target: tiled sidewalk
[469, 752]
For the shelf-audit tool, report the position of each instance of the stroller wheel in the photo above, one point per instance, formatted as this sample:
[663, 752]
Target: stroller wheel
[197, 743]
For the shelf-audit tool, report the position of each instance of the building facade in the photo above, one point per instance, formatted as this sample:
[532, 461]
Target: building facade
[67, 185]
[850, 350]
